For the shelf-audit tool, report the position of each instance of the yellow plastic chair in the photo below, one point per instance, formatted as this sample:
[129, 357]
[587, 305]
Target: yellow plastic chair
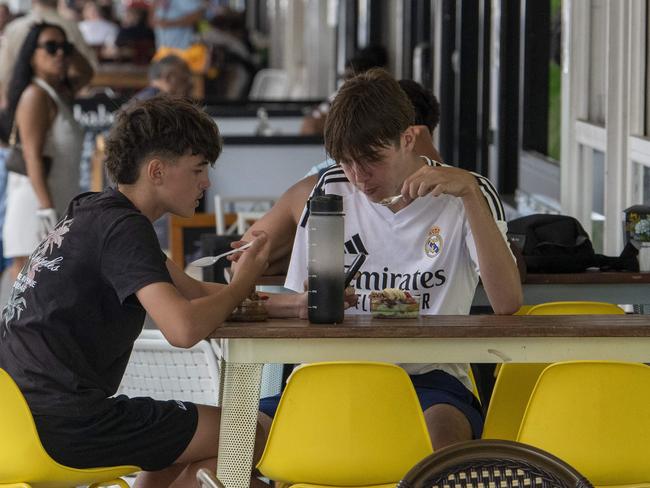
[576, 308]
[515, 382]
[346, 424]
[595, 415]
[23, 461]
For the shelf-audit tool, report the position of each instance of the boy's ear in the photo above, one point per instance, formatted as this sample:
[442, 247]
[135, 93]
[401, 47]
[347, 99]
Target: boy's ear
[408, 138]
[155, 170]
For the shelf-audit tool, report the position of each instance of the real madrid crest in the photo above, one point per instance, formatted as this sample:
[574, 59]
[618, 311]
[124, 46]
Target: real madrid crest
[433, 244]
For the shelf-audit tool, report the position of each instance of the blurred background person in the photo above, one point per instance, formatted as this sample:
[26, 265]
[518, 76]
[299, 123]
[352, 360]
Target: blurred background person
[174, 23]
[98, 31]
[135, 40]
[169, 75]
[16, 32]
[233, 62]
[48, 72]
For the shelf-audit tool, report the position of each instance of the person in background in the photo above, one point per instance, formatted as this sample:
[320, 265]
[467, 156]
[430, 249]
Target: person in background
[446, 228]
[172, 76]
[16, 31]
[68, 330]
[232, 56]
[98, 31]
[49, 71]
[174, 23]
[281, 221]
[135, 40]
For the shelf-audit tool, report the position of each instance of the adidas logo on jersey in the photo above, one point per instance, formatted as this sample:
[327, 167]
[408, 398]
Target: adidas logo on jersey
[355, 245]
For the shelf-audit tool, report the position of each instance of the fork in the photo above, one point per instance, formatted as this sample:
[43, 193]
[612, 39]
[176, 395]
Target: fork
[210, 260]
[389, 200]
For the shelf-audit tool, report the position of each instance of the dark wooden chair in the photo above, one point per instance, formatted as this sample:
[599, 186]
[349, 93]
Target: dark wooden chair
[502, 464]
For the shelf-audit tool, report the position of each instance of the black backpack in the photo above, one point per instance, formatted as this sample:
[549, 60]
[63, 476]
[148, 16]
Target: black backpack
[559, 244]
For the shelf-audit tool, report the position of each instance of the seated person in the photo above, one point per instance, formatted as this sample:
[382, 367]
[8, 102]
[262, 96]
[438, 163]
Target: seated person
[170, 75]
[80, 301]
[281, 221]
[446, 229]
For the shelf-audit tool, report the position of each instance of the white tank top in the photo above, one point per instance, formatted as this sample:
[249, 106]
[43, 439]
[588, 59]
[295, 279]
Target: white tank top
[63, 143]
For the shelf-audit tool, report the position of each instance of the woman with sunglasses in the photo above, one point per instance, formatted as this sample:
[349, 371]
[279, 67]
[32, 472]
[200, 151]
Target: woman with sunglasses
[48, 73]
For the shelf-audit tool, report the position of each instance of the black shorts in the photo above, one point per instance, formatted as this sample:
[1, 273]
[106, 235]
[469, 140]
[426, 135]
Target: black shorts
[139, 431]
[432, 388]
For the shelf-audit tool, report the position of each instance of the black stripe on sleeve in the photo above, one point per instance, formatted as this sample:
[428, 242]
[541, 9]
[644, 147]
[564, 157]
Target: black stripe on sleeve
[492, 197]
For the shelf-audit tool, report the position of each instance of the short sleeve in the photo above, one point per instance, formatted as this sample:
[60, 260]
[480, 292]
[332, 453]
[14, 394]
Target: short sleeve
[498, 213]
[131, 257]
[297, 272]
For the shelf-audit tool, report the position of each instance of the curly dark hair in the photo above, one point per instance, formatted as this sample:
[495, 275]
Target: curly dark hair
[163, 126]
[22, 74]
[425, 103]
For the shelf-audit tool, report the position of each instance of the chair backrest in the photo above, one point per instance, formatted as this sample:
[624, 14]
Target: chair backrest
[20, 445]
[346, 424]
[576, 308]
[159, 370]
[23, 460]
[596, 416]
[515, 382]
[250, 208]
[270, 84]
[492, 463]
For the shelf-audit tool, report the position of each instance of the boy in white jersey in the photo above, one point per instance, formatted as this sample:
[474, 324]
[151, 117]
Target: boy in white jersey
[448, 225]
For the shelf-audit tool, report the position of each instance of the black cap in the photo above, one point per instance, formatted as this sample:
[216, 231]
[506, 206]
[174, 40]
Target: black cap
[326, 204]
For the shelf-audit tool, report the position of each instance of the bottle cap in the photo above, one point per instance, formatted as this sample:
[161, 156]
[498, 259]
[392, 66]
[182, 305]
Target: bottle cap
[326, 204]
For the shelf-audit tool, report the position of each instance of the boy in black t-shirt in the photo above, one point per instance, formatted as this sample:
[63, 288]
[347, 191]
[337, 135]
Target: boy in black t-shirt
[78, 305]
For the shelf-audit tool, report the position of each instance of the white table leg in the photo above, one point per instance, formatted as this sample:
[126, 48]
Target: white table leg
[239, 405]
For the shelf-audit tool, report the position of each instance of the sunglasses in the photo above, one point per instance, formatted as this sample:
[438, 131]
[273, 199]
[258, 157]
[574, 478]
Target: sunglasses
[52, 47]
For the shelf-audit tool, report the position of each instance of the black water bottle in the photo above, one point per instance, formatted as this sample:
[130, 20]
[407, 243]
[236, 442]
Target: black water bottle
[325, 259]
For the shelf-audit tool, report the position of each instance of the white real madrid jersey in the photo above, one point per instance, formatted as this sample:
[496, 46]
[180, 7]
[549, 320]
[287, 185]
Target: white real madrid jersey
[427, 248]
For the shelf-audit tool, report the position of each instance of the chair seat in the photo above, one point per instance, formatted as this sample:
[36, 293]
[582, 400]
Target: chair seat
[54, 475]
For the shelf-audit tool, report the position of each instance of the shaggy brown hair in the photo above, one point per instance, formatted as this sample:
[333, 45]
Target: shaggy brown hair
[369, 113]
[163, 126]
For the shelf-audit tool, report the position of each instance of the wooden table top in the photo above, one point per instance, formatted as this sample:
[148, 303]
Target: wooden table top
[446, 326]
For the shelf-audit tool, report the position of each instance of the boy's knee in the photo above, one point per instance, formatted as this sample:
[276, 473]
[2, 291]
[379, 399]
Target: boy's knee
[447, 425]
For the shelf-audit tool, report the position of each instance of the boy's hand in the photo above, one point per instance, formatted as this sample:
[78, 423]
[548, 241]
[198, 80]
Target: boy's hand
[438, 181]
[252, 262]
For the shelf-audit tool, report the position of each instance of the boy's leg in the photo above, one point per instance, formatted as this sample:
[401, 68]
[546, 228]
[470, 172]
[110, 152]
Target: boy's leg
[201, 451]
[447, 425]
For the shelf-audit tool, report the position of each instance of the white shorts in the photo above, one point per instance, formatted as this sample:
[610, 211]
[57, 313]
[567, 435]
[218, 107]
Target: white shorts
[21, 227]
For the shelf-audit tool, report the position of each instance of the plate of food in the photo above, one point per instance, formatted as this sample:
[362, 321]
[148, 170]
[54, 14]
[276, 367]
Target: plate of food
[252, 309]
[393, 303]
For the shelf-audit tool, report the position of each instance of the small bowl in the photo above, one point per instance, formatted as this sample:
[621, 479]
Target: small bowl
[392, 309]
[249, 311]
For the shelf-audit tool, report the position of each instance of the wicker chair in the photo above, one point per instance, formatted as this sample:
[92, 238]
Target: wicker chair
[503, 464]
